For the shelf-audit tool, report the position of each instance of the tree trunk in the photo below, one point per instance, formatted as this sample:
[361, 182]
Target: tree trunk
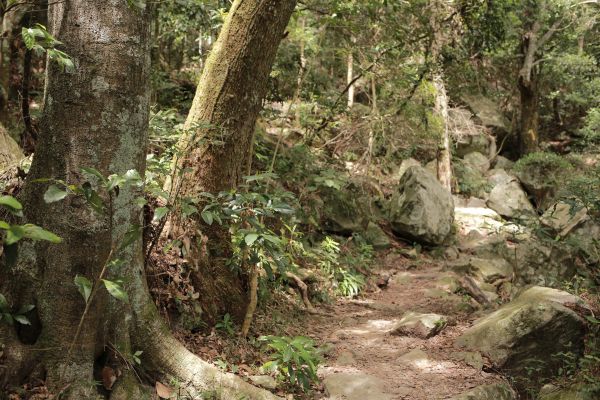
[349, 77]
[220, 127]
[528, 133]
[96, 116]
[444, 155]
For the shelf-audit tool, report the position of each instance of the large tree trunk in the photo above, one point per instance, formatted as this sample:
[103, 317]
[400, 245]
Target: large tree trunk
[444, 153]
[220, 127]
[527, 83]
[94, 117]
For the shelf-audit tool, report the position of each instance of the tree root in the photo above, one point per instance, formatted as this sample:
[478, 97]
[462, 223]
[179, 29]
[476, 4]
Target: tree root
[303, 289]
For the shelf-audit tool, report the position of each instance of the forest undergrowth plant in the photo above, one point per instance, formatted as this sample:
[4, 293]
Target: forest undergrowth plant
[294, 359]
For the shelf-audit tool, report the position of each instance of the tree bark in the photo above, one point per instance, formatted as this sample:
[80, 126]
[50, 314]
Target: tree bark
[444, 155]
[219, 128]
[96, 116]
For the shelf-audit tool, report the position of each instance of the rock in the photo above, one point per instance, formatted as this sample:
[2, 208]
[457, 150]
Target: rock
[451, 253]
[471, 358]
[10, 152]
[344, 210]
[481, 143]
[477, 161]
[431, 166]
[496, 391]
[346, 358]
[376, 237]
[528, 332]
[471, 181]
[488, 112]
[484, 222]
[497, 177]
[563, 217]
[586, 236]
[349, 386]
[490, 270]
[575, 392]
[404, 165]
[509, 200]
[421, 208]
[503, 163]
[419, 325]
[265, 381]
[414, 357]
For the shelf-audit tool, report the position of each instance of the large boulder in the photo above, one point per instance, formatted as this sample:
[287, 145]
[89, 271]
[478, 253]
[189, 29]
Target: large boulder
[344, 211]
[529, 333]
[575, 392]
[562, 217]
[404, 165]
[498, 176]
[376, 237]
[477, 161]
[510, 200]
[422, 209]
[496, 391]
[481, 143]
[10, 152]
[501, 162]
[470, 179]
[487, 112]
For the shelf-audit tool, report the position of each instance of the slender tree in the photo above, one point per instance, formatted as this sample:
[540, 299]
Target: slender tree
[220, 128]
[95, 117]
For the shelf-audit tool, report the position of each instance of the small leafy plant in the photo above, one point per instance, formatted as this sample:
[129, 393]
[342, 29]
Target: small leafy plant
[226, 325]
[294, 359]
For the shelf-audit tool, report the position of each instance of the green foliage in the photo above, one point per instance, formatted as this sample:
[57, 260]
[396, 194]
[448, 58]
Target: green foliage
[226, 325]
[8, 316]
[591, 126]
[294, 358]
[39, 40]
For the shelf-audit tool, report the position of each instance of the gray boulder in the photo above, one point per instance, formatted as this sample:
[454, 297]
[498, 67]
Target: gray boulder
[575, 392]
[481, 143]
[563, 217]
[376, 237]
[344, 211]
[496, 391]
[488, 112]
[404, 165]
[498, 176]
[421, 208]
[503, 163]
[419, 325]
[510, 200]
[528, 333]
[477, 161]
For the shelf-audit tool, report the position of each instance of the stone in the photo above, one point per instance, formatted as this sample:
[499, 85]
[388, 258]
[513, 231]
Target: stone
[497, 177]
[487, 112]
[528, 332]
[489, 270]
[420, 325]
[471, 358]
[10, 152]
[481, 143]
[376, 237]
[345, 210]
[413, 357]
[496, 391]
[471, 181]
[354, 386]
[563, 217]
[265, 381]
[575, 392]
[586, 236]
[431, 166]
[422, 209]
[477, 161]
[404, 165]
[345, 358]
[510, 200]
[503, 163]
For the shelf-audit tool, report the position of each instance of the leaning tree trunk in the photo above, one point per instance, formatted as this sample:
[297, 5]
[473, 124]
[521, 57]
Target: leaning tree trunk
[220, 127]
[96, 116]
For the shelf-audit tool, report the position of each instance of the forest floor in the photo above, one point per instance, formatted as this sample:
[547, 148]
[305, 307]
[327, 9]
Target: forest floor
[368, 361]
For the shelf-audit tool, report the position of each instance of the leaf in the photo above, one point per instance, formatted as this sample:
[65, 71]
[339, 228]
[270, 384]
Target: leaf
[159, 213]
[93, 172]
[54, 194]
[84, 286]
[4, 225]
[131, 236]
[251, 238]
[133, 177]
[116, 290]
[593, 320]
[3, 303]
[36, 233]
[10, 202]
[14, 234]
[163, 391]
[207, 216]
[25, 309]
[21, 319]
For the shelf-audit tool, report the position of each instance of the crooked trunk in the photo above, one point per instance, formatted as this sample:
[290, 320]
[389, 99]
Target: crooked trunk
[219, 128]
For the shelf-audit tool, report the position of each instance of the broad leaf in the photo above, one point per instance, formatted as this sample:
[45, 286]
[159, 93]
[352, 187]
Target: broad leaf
[159, 213]
[84, 286]
[116, 290]
[14, 234]
[36, 233]
[21, 319]
[251, 238]
[54, 194]
[11, 203]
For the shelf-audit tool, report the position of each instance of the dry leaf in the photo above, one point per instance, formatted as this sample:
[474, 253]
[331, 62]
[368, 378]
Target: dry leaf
[163, 391]
[108, 377]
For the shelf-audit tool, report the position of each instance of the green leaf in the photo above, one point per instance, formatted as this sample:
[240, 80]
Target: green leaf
[21, 319]
[251, 238]
[10, 202]
[140, 202]
[159, 213]
[94, 172]
[131, 236]
[84, 286]
[3, 303]
[4, 225]
[25, 309]
[54, 194]
[14, 234]
[116, 290]
[207, 216]
[593, 320]
[36, 233]
[133, 177]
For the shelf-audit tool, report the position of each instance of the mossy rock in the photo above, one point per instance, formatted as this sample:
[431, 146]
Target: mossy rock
[496, 391]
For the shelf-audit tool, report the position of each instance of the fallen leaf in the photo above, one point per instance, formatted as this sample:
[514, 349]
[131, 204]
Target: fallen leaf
[163, 391]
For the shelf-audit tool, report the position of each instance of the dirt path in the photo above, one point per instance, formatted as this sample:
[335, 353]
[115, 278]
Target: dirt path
[368, 362]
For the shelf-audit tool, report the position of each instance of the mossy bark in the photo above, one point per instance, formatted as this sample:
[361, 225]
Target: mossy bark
[219, 128]
[95, 116]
